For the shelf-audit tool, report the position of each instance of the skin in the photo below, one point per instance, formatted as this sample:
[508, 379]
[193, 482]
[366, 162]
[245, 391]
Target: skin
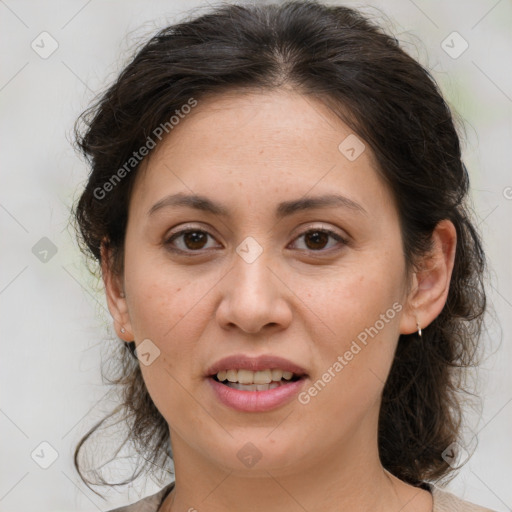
[302, 299]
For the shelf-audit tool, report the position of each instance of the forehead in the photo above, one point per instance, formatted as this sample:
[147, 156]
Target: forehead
[277, 142]
[248, 122]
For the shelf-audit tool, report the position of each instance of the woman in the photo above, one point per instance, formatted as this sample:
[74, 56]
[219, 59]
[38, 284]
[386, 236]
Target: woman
[277, 204]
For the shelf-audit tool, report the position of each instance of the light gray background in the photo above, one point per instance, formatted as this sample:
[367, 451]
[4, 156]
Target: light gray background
[54, 325]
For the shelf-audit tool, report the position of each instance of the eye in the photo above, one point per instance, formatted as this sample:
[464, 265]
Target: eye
[189, 240]
[317, 239]
[195, 240]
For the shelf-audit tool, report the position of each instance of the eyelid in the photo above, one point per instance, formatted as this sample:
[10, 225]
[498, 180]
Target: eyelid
[320, 226]
[177, 230]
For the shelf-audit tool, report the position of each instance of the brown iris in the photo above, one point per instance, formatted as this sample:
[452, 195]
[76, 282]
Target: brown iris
[195, 239]
[318, 238]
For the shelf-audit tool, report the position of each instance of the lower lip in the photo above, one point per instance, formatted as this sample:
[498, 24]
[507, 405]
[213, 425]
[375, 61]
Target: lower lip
[256, 401]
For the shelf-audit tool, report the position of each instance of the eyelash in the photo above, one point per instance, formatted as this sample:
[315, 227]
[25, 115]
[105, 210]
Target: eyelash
[193, 253]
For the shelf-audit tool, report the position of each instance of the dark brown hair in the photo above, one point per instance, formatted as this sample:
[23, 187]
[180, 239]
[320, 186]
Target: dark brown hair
[389, 100]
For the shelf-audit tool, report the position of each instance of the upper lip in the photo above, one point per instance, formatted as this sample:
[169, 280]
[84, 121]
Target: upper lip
[264, 362]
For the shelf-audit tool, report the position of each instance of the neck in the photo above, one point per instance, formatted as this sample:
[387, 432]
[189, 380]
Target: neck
[345, 479]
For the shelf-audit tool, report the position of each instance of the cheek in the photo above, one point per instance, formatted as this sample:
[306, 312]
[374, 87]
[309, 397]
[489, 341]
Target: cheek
[355, 300]
[171, 308]
[161, 296]
[166, 308]
[358, 332]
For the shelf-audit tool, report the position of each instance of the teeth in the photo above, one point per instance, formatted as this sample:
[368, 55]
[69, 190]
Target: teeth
[248, 377]
[277, 374]
[253, 387]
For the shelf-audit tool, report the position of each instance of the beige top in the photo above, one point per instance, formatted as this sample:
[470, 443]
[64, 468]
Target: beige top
[443, 502]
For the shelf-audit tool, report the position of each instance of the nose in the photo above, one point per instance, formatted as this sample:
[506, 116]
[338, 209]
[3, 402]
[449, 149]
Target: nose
[254, 297]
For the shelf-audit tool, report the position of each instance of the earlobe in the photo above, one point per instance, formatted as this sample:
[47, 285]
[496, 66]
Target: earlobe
[116, 297]
[431, 282]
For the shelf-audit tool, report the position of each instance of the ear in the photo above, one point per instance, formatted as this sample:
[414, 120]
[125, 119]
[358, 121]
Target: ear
[116, 300]
[431, 283]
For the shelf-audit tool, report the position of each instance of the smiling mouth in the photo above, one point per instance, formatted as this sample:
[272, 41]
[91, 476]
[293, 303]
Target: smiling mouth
[263, 380]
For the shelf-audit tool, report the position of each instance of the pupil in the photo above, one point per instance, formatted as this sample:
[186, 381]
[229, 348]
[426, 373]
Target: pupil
[318, 237]
[192, 238]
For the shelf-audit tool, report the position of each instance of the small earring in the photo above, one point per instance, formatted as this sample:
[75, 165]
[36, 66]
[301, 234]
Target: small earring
[419, 328]
[123, 330]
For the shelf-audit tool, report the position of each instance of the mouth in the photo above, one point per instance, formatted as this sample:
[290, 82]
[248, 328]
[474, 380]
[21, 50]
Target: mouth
[260, 384]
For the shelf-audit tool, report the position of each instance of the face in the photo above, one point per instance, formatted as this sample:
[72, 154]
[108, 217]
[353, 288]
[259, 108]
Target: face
[263, 267]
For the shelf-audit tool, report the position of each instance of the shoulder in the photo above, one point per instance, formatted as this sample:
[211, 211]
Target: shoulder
[149, 503]
[445, 501]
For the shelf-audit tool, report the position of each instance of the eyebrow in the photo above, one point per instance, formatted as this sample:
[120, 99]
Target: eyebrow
[284, 209]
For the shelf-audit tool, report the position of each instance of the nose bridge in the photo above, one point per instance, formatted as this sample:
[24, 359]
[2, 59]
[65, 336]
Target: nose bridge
[252, 274]
[253, 296]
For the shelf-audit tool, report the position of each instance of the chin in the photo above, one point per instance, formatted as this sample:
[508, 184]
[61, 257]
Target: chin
[255, 454]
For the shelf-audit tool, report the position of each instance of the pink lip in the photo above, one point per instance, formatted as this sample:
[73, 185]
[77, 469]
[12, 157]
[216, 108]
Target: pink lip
[242, 362]
[256, 401]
